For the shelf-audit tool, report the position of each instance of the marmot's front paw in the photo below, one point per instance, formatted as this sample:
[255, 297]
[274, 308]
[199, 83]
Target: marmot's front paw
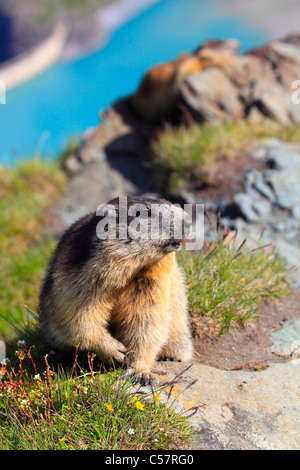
[113, 352]
[145, 378]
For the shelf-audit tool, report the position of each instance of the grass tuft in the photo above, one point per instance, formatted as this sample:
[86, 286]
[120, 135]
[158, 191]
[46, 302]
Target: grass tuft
[187, 156]
[226, 282]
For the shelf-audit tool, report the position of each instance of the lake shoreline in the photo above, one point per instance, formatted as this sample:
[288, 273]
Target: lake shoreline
[274, 20]
[100, 27]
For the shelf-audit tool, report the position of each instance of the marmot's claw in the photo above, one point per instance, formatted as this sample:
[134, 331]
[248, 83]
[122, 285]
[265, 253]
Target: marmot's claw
[172, 358]
[126, 363]
[146, 379]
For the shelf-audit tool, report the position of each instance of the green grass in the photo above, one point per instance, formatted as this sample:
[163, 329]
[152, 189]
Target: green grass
[188, 156]
[226, 282]
[25, 192]
[83, 409]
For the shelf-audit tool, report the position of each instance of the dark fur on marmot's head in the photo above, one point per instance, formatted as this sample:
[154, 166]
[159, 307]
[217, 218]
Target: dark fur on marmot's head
[128, 228]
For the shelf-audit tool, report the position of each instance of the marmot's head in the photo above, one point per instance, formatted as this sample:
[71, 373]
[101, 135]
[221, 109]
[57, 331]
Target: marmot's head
[123, 236]
[141, 228]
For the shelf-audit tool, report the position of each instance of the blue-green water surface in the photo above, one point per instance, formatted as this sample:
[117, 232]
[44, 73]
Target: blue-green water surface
[43, 114]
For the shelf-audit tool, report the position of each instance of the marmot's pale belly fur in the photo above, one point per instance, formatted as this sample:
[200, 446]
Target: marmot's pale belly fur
[117, 297]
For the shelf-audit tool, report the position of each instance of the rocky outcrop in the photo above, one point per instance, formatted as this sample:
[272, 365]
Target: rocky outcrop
[267, 210]
[157, 96]
[239, 410]
[215, 82]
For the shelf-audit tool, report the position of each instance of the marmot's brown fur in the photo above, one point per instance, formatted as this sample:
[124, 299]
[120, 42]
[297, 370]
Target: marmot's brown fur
[118, 297]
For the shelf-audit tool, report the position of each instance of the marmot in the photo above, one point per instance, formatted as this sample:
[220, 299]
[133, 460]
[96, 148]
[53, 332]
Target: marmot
[121, 298]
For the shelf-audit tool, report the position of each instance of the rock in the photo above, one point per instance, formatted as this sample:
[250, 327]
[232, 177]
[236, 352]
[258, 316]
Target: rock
[245, 204]
[268, 207]
[262, 207]
[296, 212]
[98, 183]
[282, 57]
[284, 175]
[255, 179]
[72, 164]
[286, 187]
[286, 341]
[285, 156]
[288, 199]
[287, 225]
[240, 410]
[227, 46]
[274, 103]
[285, 50]
[214, 82]
[120, 133]
[245, 71]
[156, 98]
[211, 96]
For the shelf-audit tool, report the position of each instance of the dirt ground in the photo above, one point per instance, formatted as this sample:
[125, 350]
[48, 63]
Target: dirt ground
[227, 178]
[248, 346]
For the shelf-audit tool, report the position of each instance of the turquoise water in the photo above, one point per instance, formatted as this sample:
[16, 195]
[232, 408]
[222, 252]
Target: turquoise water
[43, 114]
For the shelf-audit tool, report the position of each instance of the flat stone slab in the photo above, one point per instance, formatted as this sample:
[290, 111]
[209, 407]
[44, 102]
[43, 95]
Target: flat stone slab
[286, 341]
[240, 410]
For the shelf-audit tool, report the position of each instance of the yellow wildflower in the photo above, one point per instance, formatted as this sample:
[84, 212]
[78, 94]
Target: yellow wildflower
[139, 405]
[156, 397]
[109, 407]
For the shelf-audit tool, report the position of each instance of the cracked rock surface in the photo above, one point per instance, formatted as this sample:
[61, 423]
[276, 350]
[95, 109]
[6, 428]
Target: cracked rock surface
[241, 410]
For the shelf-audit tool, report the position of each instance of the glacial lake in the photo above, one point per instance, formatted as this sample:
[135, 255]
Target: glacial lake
[42, 115]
